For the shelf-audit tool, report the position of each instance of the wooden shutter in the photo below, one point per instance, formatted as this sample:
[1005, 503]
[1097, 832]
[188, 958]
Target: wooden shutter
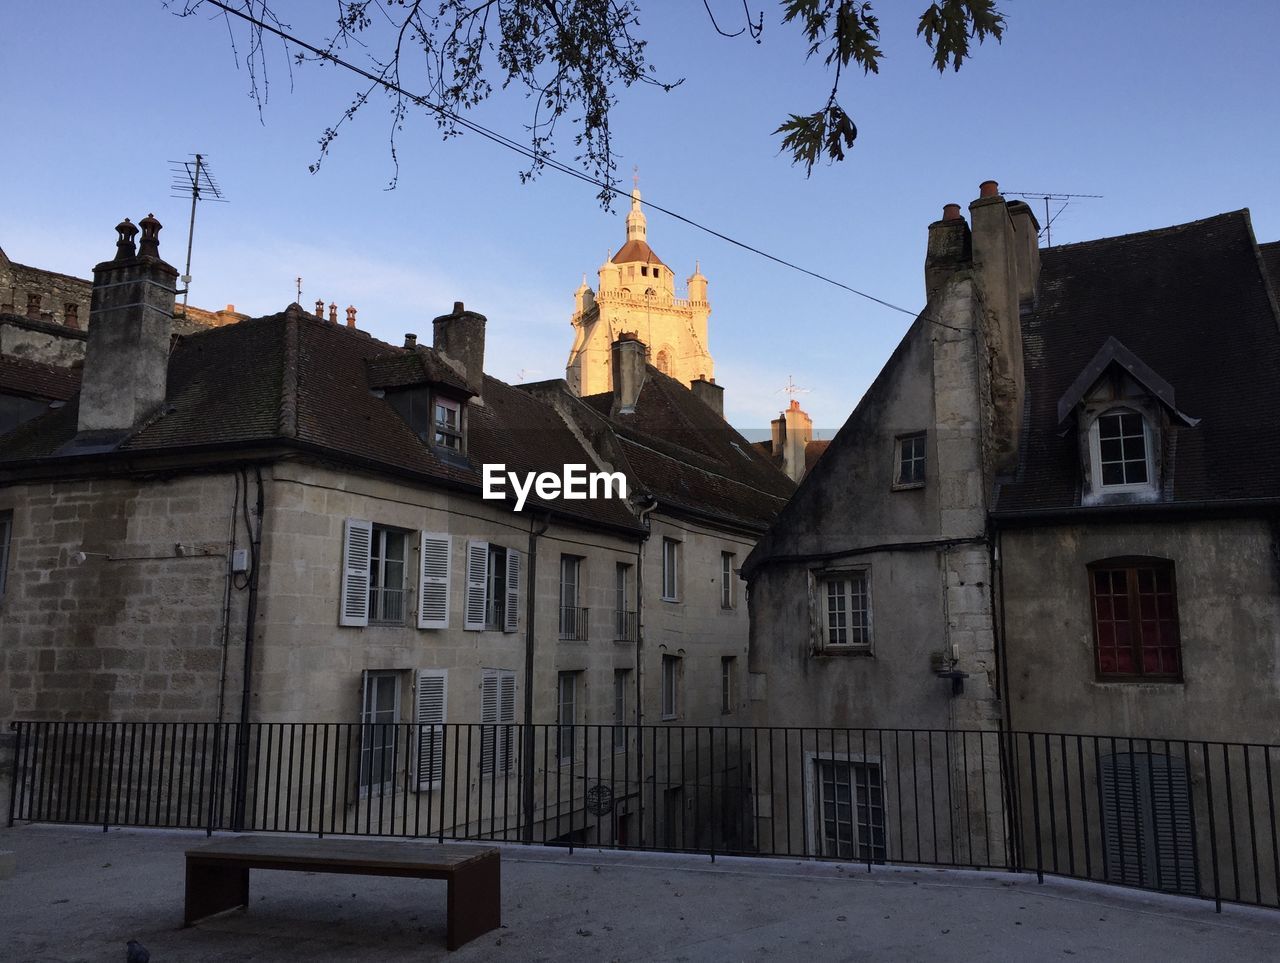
[430, 700]
[488, 719]
[1147, 822]
[497, 715]
[356, 545]
[433, 582]
[477, 579]
[511, 608]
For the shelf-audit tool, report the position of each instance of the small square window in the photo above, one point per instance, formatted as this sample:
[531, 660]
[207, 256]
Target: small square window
[448, 424]
[910, 460]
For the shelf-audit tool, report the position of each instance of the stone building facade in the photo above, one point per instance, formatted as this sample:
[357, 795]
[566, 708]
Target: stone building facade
[636, 296]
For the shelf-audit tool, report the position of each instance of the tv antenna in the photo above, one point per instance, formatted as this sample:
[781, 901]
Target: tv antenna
[1049, 197]
[193, 178]
[792, 389]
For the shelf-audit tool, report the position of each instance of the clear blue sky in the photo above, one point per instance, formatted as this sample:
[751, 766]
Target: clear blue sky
[1168, 109]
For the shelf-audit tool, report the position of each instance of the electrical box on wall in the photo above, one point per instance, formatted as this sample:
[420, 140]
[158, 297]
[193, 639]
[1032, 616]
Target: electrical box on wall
[240, 560]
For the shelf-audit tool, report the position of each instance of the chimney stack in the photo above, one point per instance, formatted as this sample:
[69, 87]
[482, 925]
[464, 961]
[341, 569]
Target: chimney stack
[333, 312]
[949, 249]
[792, 432]
[710, 394]
[351, 316]
[71, 315]
[459, 336]
[320, 308]
[130, 321]
[628, 372]
[410, 340]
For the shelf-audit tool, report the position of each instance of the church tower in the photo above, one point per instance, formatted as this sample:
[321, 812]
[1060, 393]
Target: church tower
[637, 294]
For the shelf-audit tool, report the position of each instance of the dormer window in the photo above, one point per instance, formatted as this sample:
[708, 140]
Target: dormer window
[448, 424]
[1122, 449]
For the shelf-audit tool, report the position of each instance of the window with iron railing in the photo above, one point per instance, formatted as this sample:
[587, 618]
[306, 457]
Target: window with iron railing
[626, 626]
[573, 623]
[386, 576]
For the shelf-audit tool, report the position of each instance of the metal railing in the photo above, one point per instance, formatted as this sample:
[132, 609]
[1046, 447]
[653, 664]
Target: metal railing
[1190, 817]
[573, 623]
[626, 626]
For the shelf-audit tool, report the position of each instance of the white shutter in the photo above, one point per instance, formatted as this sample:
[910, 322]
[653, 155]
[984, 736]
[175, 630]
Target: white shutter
[488, 719]
[433, 583]
[477, 579]
[356, 545]
[511, 610]
[429, 714]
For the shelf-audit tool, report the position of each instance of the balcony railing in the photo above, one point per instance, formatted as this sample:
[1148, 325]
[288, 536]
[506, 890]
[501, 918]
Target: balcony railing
[386, 605]
[1181, 816]
[626, 626]
[493, 615]
[573, 623]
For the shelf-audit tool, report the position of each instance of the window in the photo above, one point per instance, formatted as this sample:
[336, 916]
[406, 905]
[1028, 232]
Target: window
[663, 363]
[670, 686]
[386, 576]
[726, 580]
[626, 628]
[644, 270]
[567, 715]
[670, 570]
[1121, 451]
[497, 718]
[621, 680]
[847, 601]
[850, 804]
[448, 424]
[429, 718]
[1135, 620]
[573, 619]
[379, 713]
[910, 461]
[6, 536]
[493, 588]
[728, 683]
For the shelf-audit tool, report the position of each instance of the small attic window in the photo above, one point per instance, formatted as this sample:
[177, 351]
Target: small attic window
[1121, 446]
[448, 424]
[657, 272]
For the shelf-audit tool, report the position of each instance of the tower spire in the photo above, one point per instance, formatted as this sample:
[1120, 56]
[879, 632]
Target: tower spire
[636, 224]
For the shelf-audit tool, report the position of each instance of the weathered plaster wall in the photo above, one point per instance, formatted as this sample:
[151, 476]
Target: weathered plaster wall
[42, 341]
[1228, 587]
[135, 636]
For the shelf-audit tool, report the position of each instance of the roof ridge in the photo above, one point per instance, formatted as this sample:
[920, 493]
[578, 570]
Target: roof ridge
[1155, 231]
[289, 375]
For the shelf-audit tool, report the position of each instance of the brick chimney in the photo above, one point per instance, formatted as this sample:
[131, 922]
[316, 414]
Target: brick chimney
[130, 320]
[710, 394]
[949, 249]
[459, 336]
[792, 432]
[629, 360]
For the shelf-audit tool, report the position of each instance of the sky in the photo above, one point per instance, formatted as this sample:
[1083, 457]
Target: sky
[1167, 110]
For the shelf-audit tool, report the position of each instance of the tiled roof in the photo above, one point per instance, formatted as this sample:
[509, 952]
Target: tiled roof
[689, 457]
[1190, 301]
[634, 251]
[812, 452]
[300, 381]
[414, 367]
[32, 379]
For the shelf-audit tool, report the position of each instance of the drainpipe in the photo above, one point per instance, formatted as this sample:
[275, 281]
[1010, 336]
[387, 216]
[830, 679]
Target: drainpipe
[645, 505]
[537, 527]
[251, 615]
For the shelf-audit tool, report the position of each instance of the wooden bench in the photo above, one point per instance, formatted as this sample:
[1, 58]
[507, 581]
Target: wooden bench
[218, 874]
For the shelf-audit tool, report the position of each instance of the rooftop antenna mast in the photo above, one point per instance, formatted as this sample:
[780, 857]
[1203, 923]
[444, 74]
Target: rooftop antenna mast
[792, 389]
[193, 178]
[1050, 197]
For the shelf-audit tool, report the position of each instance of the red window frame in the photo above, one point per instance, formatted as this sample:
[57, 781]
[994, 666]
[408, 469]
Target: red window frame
[1135, 620]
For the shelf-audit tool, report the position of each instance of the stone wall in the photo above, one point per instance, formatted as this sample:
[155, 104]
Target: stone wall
[134, 629]
[43, 295]
[43, 341]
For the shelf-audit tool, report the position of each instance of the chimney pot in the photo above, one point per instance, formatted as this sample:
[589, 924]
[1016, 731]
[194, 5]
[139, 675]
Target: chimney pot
[351, 316]
[333, 312]
[410, 340]
[33, 305]
[149, 246]
[320, 308]
[988, 189]
[231, 309]
[457, 307]
[951, 212]
[71, 316]
[126, 230]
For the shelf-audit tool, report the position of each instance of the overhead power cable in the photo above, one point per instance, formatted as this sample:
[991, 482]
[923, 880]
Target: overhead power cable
[547, 160]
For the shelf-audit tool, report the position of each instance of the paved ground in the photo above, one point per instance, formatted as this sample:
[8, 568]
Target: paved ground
[80, 894]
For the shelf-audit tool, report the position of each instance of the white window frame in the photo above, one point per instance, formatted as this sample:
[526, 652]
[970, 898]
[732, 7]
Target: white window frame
[846, 578]
[446, 433]
[671, 666]
[814, 828]
[670, 569]
[1095, 452]
[370, 726]
[497, 718]
[899, 446]
[566, 733]
[377, 543]
[727, 588]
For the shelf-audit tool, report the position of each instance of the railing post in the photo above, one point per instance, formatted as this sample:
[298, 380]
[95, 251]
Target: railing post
[16, 769]
[1035, 806]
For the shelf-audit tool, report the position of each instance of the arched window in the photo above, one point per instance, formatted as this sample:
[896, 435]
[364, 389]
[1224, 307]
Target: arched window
[664, 362]
[1120, 442]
